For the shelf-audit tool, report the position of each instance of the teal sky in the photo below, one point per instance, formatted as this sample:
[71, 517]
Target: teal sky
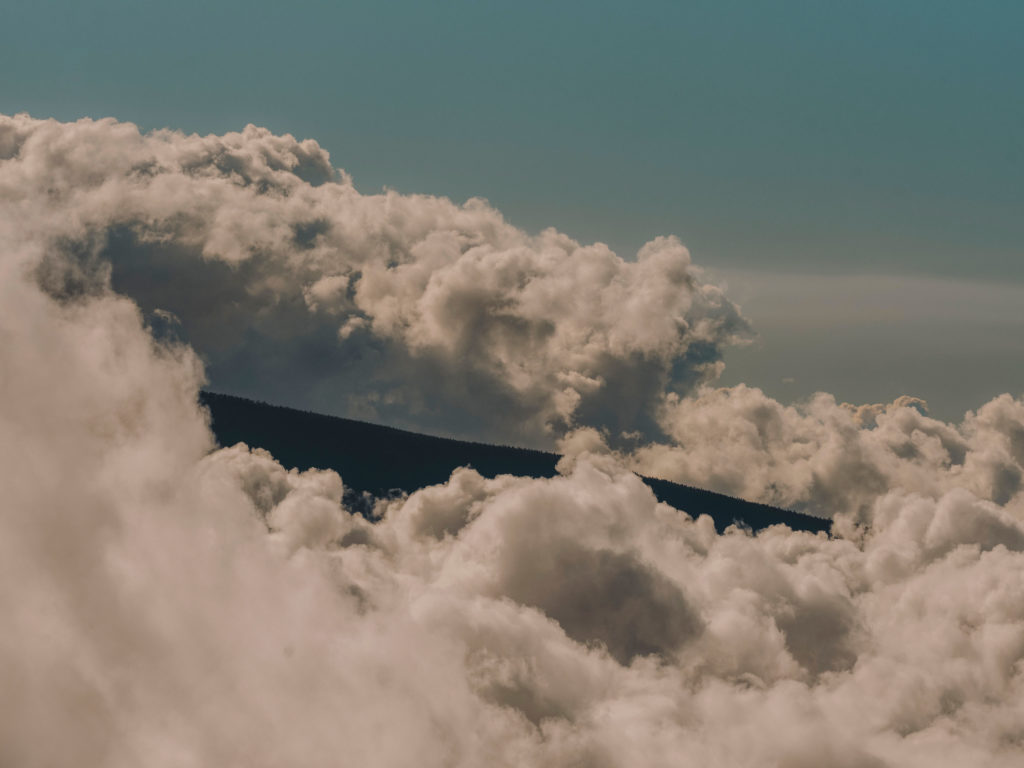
[812, 138]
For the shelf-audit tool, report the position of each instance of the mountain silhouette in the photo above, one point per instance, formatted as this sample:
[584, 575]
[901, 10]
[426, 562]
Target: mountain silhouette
[380, 461]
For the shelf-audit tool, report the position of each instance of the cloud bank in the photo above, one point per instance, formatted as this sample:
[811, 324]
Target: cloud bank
[826, 457]
[169, 604]
[404, 308]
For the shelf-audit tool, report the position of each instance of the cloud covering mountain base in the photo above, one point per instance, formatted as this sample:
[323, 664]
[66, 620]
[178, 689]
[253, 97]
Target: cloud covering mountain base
[171, 604]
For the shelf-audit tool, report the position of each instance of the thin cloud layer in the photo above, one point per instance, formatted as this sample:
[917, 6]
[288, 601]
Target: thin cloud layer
[168, 604]
[406, 308]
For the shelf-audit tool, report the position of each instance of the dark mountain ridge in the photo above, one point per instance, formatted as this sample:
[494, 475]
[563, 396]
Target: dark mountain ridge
[380, 461]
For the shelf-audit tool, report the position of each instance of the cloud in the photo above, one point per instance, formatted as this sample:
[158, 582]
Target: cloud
[294, 287]
[405, 308]
[826, 457]
[169, 604]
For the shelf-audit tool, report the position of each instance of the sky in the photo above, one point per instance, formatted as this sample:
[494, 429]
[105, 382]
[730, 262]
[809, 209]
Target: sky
[699, 216]
[818, 140]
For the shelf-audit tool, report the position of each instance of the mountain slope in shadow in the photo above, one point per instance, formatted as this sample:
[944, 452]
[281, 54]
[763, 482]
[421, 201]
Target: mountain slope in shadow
[382, 460]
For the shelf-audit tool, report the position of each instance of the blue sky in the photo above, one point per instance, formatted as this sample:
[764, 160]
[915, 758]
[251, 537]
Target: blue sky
[814, 139]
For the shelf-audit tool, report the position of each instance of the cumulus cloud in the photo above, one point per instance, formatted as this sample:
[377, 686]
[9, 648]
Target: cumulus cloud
[405, 308]
[825, 457]
[167, 603]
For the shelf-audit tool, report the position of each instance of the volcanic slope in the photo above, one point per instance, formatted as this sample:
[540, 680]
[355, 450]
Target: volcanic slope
[381, 461]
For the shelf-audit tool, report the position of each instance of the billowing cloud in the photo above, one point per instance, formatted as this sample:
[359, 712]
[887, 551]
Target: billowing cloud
[826, 457]
[404, 308]
[168, 604]
[171, 606]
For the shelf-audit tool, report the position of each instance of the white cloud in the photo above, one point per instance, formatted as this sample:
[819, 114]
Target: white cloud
[401, 307]
[168, 606]
[826, 457]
